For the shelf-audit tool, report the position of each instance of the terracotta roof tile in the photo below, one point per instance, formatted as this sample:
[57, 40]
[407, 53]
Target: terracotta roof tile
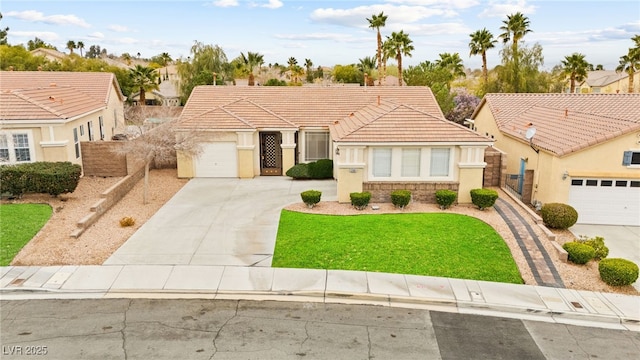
[565, 123]
[57, 103]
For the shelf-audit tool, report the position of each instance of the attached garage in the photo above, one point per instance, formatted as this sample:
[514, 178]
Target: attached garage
[606, 201]
[218, 159]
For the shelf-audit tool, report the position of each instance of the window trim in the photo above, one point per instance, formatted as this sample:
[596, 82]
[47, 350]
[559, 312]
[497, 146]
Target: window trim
[307, 147]
[424, 163]
[11, 146]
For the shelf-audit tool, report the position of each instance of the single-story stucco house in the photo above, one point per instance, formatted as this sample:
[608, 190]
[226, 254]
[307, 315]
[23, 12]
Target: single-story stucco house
[392, 136]
[581, 149]
[44, 115]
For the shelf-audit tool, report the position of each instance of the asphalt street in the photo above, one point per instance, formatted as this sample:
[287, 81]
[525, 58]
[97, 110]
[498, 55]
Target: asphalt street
[230, 329]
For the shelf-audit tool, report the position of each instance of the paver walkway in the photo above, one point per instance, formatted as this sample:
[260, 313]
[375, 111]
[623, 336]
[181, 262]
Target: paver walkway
[538, 259]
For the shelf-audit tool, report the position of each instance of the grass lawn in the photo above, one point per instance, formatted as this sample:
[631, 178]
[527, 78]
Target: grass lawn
[18, 224]
[434, 244]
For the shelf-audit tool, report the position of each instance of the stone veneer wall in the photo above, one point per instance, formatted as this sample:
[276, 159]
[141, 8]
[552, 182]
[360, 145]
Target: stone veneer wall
[496, 166]
[420, 191]
[101, 158]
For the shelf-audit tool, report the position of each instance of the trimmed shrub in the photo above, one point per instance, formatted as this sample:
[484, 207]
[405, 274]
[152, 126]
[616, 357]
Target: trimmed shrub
[446, 198]
[299, 171]
[127, 221]
[321, 169]
[597, 243]
[618, 272]
[53, 178]
[311, 197]
[558, 216]
[360, 200]
[400, 198]
[579, 253]
[484, 198]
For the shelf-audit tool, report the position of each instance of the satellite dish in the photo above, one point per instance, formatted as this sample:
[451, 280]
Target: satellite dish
[530, 132]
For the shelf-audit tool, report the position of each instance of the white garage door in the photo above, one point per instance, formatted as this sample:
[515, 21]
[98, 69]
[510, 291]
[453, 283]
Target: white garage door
[606, 201]
[218, 159]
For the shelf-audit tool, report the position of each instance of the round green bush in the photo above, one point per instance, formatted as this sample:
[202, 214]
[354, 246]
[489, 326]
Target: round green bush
[597, 243]
[400, 198]
[579, 253]
[299, 171]
[321, 169]
[484, 198]
[360, 200]
[446, 198]
[311, 197]
[618, 272]
[558, 216]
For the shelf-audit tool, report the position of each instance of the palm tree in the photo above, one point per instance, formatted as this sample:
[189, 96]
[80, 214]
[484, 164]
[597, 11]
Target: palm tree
[166, 58]
[453, 63]
[249, 62]
[400, 44]
[575, 66]
[365, 65]
[387, 53]
[630, 63]
[481, 41]
[71, 45]
[514, 29]
[80, 46]
[308, 64]
[292, 62]
[376, 22]
[127, 58]
[145, 79]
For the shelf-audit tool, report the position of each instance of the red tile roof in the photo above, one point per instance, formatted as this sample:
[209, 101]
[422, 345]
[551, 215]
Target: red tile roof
[392, 122]
[565, 123]
[277, 107]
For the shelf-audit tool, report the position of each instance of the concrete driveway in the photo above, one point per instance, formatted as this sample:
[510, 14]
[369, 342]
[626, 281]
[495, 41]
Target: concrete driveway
[218, 222]
[622, 241]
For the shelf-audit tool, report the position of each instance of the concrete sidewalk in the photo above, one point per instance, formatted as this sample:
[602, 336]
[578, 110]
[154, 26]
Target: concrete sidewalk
[525, 302]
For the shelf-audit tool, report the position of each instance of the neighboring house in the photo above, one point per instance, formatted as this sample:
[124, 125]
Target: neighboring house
[580, 149]
[375, 135]
[167, 94]
[606, 82]
[49, 54]
[44, 115]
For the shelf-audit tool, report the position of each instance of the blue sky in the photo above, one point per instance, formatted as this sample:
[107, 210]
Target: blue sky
[327, 32]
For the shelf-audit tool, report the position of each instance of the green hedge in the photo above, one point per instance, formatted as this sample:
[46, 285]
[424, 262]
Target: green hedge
[311, 197]
[558, 216]
[597, 243]
[299, 171]
[618, 272]
[321, 169]
[360, 200]
[400, 198]
[446, 198]
[52, 178]
[484, 198]
[579, 253]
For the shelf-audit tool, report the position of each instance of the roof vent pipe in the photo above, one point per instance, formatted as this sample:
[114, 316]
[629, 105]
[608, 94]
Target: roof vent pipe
[378, 100]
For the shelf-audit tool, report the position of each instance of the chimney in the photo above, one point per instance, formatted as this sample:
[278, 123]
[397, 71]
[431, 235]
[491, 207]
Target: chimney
[52, 84]
[378, 100]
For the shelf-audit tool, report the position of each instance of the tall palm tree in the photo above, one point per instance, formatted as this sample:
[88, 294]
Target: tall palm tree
[166, 58]
[71, 45]
[365, 65]
[387, 53]
[453, 63]
[80, 46]
[308, 64]
[514, 29]
[481, 41]
[630, 63]
[575, 66]
[400, 45]
[144, 78]
[376, 22]
[249, 62]
[292, 62]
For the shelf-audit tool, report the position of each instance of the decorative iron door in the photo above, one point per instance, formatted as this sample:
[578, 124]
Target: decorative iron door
[270, 153]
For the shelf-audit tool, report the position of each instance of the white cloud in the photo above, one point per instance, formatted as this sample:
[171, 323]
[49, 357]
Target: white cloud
[504, 8]
[47, 36]
[396, 15]
[96, 35]
[314, 36]
[271, 4]
[118, 28]
[37, 16]
[225, 3]
[457, 4]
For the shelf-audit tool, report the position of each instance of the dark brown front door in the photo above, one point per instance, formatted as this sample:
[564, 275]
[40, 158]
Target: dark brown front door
[270, 153]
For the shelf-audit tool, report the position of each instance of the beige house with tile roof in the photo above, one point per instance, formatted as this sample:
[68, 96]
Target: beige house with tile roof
[374, 135]
[606, 82]
[45, 115]
[583, 149]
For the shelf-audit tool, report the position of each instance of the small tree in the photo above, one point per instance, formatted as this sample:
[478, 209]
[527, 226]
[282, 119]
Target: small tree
[155, 143]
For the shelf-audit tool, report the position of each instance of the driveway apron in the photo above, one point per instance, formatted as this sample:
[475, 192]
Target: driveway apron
[227, 222]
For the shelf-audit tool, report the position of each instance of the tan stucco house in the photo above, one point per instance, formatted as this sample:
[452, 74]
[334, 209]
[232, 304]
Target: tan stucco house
[375, 135]
[606, 82]
[45, 115]
[582, 149]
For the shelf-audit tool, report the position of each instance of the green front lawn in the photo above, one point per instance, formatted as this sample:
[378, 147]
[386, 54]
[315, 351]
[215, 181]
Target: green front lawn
[19, 223]
[434, 244]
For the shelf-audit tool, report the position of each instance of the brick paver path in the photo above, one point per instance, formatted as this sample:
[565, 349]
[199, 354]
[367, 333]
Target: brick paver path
[544, 272]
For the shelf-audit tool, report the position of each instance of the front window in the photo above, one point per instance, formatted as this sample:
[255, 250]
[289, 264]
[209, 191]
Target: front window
[76, 142]
[4, 148]
[631, 158]
[101, 122]
[21, 147]
[410, 162]
[381, 162]
[15, 147]
[440, 162]
[316, 146]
